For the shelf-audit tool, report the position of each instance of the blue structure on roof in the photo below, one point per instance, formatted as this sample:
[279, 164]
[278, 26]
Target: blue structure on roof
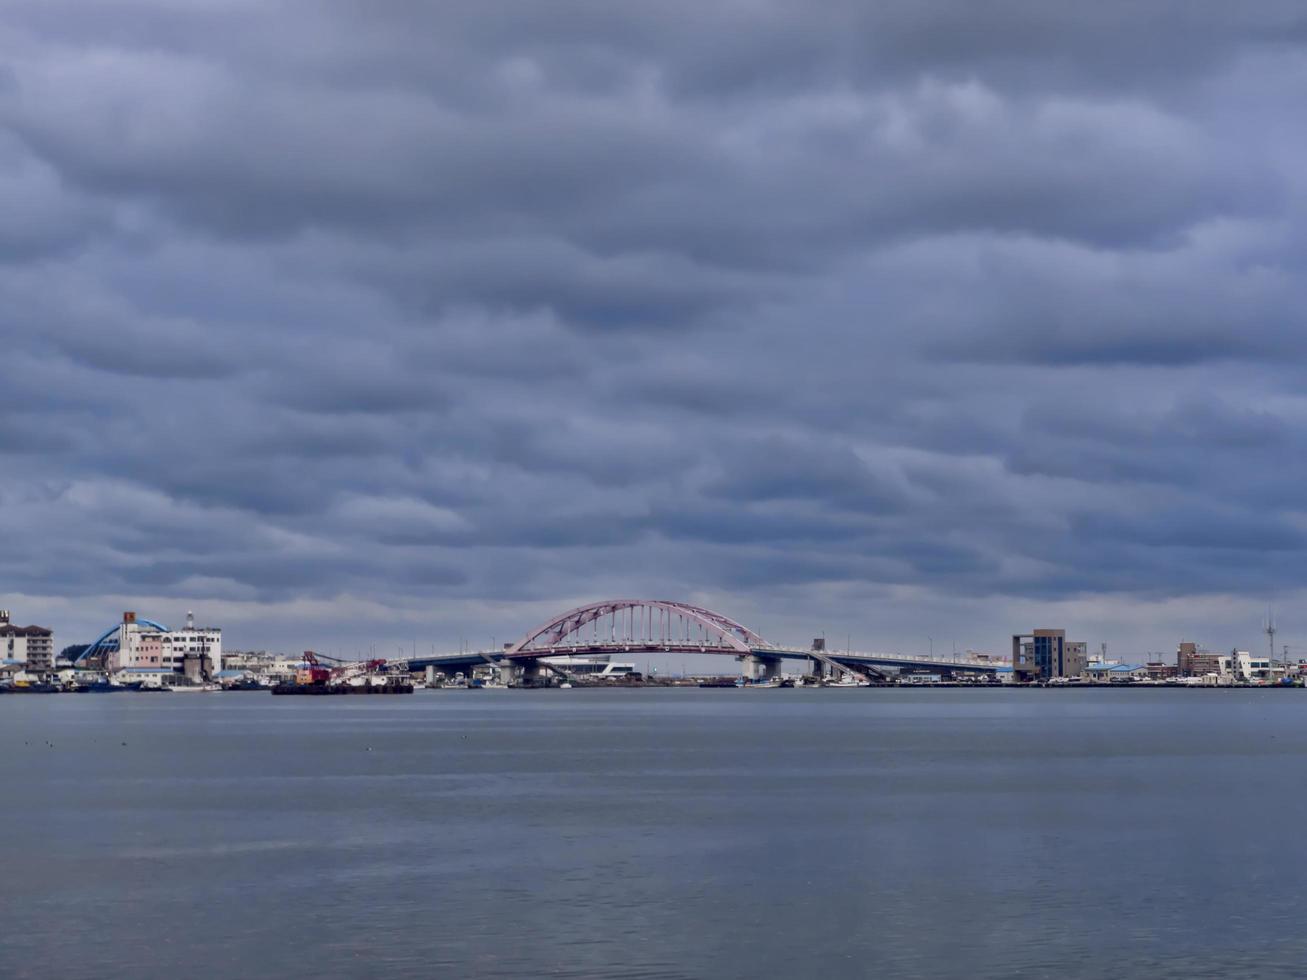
[108, 640]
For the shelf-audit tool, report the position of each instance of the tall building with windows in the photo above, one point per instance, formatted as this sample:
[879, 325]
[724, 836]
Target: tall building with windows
[31, 647]
[1045, 654]
[143, 646]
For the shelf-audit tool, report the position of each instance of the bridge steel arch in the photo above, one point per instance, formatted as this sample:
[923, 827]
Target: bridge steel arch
[678, 626]
[100, 643]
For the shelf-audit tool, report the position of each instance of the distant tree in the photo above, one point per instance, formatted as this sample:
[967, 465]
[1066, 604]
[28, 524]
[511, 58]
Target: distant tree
[73, 652]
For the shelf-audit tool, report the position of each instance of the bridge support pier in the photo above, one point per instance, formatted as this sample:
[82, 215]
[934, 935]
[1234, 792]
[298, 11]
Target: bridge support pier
[756, 668]
[530, 674]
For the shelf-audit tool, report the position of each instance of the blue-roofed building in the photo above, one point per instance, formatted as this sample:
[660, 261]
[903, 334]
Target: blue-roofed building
[1116, 673]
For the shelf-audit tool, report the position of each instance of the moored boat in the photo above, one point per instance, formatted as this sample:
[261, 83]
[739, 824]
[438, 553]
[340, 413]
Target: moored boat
[325, 690]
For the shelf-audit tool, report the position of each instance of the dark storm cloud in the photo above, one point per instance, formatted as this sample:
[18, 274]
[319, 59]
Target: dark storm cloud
[424, 312]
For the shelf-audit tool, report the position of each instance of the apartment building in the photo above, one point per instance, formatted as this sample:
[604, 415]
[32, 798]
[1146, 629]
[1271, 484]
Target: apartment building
[30, 647]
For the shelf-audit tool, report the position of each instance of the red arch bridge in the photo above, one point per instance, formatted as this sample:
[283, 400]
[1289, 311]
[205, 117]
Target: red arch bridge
[649, 626]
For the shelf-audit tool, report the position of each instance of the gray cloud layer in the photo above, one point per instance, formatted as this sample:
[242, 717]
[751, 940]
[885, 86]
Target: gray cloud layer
[871, 318]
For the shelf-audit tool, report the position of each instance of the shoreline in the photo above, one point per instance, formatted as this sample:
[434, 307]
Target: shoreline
[697, 687]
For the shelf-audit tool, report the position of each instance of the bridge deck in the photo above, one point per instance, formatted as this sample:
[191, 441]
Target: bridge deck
[853, 658]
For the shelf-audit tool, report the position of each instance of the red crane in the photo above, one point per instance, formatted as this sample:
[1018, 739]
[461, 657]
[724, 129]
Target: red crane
[317, 672]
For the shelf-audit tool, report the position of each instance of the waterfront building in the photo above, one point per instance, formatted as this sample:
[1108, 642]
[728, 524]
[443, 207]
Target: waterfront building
[29, 648]
[1103, 673]
[1190, 661]
[1046, 654]
[148, 677]
[1242, 667]
[145, 647]
[1160, 671]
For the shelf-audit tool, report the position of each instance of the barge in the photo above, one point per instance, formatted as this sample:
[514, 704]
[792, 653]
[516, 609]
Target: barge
[319, 690]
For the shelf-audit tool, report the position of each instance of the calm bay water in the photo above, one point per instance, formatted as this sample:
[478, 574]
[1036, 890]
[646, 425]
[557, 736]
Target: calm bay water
[655, 834]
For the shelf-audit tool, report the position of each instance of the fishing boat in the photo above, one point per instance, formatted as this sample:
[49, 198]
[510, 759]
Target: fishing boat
[849, 681]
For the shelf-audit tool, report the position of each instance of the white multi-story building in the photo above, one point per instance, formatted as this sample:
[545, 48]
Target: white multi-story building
[1244, 667]
[144, 646]
[28, 647]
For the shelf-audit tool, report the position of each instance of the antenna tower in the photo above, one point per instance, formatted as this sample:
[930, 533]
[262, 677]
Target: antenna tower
[1270, 633]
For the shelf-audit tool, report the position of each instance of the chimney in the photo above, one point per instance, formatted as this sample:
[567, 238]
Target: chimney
[4, 617]
[190, 620]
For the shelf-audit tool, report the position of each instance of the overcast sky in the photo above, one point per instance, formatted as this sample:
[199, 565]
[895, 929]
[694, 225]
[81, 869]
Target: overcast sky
[367, 322]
